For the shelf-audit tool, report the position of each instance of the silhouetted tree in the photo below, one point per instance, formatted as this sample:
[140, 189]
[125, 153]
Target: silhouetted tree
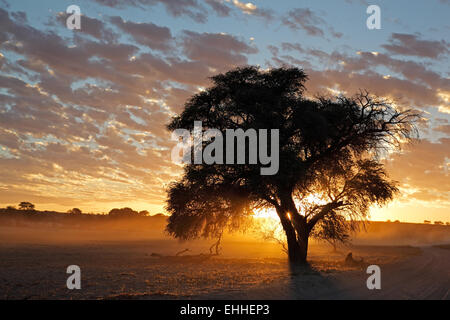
[75, 211]
[160, 215]
[338, 139]
[143, 213]
[26, 206]
[123, 212]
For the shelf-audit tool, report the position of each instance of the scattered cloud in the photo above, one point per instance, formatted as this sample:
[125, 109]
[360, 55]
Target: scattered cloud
[305, 19]
[190, 8]
[215, 49]
[148, 34]
[249, 8]
[411, 45]
[83, 114]
[219, 7]
[424, 168]
[443, 128]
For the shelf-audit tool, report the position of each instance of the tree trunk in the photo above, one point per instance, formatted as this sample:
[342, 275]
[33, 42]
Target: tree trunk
[297, 239]
[297, 248]
[294, 250]
[303, 245]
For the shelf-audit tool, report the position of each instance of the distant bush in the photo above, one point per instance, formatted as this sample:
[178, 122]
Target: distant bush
[144, 213]
[439, 223]
[426, 221]
[160, 215]
[74, 211]
[127, 212]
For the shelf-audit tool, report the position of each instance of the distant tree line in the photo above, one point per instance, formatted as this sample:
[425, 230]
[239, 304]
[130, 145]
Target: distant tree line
[339, 234]
[440, 223]
[29, 207]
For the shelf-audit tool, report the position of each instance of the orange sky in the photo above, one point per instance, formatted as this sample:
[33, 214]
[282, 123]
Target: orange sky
[83, 114]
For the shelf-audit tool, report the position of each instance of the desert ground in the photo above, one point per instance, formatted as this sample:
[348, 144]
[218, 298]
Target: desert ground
[116, 262]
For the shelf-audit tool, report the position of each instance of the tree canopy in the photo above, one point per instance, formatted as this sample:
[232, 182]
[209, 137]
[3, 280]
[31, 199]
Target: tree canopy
[25, 205]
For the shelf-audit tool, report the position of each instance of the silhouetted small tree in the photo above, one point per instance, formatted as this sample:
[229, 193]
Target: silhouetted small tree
[123, 212]
[75, 211]
[24, 205]
[143, 213]
[160, 215]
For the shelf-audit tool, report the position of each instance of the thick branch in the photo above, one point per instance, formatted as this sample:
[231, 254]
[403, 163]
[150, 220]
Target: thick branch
[322, 213]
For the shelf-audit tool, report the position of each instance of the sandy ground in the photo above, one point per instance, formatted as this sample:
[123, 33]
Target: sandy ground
[128, 271]
[425, 276]
[116, 263]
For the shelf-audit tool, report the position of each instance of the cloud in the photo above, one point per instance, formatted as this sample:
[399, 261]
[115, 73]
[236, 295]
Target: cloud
[148, 34]
[90, 26]
[67, 119]
[411, 45]
[87, 112]
[251, 9]
[423, 168]
[83, 112]
[194, 9]
[286, 46]
[217, 50]
[411, 83]
[411, 70]
[443, 128]
[219, 7]
[248, 8]
[307, 20]
[176, 8]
